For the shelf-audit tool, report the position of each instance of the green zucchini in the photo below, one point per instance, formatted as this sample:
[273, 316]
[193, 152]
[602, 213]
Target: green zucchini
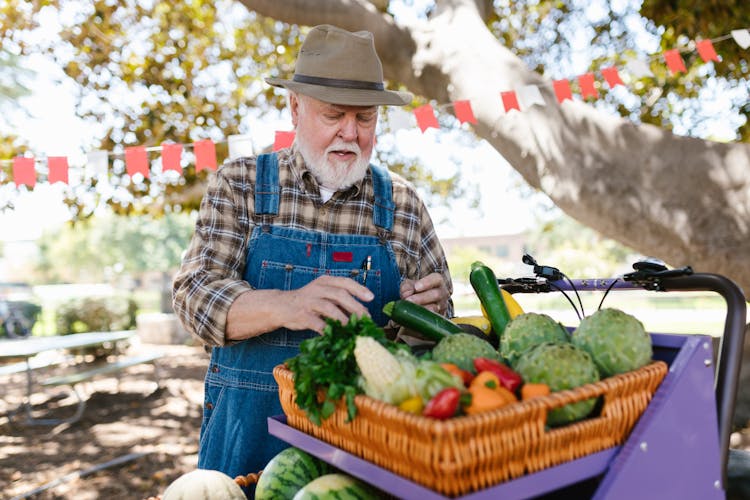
[484, 283]
[420, 319]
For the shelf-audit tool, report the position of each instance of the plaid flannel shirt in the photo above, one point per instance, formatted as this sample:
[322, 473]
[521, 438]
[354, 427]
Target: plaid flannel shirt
[210, 277]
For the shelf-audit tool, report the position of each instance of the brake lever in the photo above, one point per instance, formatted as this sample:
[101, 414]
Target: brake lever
[524, 285]
[649, 272]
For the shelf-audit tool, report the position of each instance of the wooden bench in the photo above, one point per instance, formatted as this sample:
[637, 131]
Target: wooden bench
[100, 369]
[91, 371]
[35, 363]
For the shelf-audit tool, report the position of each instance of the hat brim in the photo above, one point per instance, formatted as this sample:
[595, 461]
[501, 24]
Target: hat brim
[344, 96]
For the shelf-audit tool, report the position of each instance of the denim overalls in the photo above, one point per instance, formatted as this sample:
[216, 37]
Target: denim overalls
[240, 391]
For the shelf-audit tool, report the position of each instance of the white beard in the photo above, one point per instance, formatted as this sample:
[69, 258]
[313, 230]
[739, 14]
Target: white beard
[332, 174]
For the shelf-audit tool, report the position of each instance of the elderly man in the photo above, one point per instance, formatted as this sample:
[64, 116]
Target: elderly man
[286, 240]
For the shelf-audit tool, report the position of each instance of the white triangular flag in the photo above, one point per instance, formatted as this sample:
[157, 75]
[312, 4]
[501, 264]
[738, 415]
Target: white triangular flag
[240, 145]
[97, 163]
[638, 68]
[528, 95]
[399, 119]
[742, 37]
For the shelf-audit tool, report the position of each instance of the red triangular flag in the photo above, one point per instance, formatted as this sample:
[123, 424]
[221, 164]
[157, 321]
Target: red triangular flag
[464, 113]
[283, 139]
[586, 83]
[136, 160]
[674, 61]
[23, 171]
[205, 154]
[58, 169]
[426, 117]
[706, 50]
[510, 101]
[171, 154]
[562, 90]
[612, 76]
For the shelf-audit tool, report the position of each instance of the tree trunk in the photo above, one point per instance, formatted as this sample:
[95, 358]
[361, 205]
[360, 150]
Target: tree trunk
[681, 199]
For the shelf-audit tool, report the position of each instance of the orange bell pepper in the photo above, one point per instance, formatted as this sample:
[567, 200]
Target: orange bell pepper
[486, 378]
[484, 399]
[532, 390]
[487, 393]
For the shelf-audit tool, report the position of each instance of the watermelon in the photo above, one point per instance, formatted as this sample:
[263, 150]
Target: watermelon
[287, 472]
[336, 486]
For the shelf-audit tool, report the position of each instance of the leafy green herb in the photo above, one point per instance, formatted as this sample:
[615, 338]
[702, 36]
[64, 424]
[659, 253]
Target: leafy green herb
[326, 367]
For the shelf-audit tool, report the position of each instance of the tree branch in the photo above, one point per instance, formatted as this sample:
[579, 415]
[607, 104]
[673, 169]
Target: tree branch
[684, 200]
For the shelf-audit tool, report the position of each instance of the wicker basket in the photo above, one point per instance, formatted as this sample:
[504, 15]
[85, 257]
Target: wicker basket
[465, 454]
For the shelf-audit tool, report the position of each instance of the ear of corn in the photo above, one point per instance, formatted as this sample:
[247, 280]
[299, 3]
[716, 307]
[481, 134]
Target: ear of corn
[394, 378]
[380, 369]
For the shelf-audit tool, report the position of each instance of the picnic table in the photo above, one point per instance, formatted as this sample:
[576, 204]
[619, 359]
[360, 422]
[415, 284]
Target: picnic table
[27, 355]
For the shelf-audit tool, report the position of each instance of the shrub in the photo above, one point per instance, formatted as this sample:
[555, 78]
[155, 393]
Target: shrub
[96, 314]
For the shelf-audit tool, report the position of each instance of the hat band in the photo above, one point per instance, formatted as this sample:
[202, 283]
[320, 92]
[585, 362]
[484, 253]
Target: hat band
[339, 83]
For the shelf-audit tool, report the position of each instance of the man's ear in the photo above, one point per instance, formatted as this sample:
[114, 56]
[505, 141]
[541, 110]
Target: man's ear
[294, 107]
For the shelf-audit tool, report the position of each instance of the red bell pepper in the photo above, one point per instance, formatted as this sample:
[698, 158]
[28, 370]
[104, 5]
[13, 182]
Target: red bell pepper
[444, 404]
[508, 377]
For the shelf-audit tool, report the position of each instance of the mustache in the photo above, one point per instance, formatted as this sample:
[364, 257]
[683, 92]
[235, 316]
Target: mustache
[351, 147]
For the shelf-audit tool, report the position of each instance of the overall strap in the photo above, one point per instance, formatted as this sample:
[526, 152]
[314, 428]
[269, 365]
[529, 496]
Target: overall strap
[267, 184]
[383, 210]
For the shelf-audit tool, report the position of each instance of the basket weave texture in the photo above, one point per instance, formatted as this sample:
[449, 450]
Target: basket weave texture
[470, 453]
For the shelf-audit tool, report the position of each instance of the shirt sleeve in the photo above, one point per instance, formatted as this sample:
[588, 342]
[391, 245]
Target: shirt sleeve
[210, 277]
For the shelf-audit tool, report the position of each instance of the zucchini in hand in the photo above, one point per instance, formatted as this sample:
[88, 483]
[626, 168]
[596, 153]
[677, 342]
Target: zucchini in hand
[420, 319]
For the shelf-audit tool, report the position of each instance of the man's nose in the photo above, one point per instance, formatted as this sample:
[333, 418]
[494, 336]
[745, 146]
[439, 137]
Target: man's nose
[348, 128]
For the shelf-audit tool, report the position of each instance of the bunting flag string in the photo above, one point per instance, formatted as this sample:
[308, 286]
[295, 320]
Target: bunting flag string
[519, 99]
[24, 167]
[24, 170]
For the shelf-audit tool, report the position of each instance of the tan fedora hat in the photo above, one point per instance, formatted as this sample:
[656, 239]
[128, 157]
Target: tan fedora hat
[340, 67]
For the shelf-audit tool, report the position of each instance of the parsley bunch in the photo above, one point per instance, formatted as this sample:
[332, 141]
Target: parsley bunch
[326, 365]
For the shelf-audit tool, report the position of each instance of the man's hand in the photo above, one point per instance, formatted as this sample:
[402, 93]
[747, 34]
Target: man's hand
[256, 312]
[430, 292]
[324, 297]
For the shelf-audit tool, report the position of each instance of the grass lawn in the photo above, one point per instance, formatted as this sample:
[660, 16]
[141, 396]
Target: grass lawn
[680, 312]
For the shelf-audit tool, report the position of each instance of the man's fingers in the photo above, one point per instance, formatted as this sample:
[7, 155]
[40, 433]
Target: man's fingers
[407, 288]
[429, 292]
[328, 297]
[433, 280]
[340, 308]
[344, 292]
[352, 287]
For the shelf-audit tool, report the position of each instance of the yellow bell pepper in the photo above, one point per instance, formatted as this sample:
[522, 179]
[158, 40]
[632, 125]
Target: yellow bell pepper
[412, 405]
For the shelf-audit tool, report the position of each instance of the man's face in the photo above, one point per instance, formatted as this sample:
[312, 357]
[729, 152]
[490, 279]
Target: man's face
[335, 140]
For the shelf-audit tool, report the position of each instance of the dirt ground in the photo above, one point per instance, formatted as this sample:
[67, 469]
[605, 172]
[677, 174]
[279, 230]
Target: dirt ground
[154, 430]
[156, 427]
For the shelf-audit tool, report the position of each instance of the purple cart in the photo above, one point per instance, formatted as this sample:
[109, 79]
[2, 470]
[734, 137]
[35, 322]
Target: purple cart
[677, 449]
